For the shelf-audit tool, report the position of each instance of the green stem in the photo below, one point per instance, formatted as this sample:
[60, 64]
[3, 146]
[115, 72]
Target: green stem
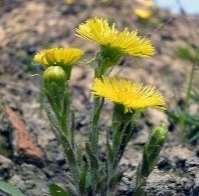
[64, 120]
[140, 190]
[92, 147]
[100, 70]
[150, 155]
[123, 129]
[124, 132]
[94, 134]
[70, 154]
[61, 107]
[187, 100]
[189, 86]
[140, 182]
[102, 66]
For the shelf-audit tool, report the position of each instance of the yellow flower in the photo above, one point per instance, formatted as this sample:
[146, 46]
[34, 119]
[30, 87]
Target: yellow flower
[126, 42]
[69, 2]
[143, 14]
[146, 3]
[133, 96]
[58, 57]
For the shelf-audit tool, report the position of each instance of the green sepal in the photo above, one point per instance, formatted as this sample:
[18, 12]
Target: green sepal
[106, 58]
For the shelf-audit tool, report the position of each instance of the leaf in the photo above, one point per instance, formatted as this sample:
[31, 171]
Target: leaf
[56, 190]
[94, 165]
[83, 175]
[195, 95]
[10, 189]
[93, 159]
[116, 178]
[194, 138]
[186, 54]
[72, 161]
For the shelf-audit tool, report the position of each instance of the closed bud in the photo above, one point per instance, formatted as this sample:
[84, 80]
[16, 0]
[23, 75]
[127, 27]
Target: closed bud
[54, 74]
[150, 156]
[54, 85]
[158, 136]
[143, 14]
[152, 149]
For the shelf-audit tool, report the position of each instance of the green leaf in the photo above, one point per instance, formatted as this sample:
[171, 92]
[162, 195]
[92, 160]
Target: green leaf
[186, 54]
[92, 158]
[72, 161]
[94, 165]
[83, 176]
[116, 178]
[56, 190]
[195, 95]
[10, 189]
[194, 138]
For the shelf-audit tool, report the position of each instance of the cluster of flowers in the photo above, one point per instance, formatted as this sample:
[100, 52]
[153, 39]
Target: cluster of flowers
[90, 174]
[114, 45]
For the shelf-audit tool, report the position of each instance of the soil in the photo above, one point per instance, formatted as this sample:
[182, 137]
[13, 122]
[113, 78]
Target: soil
[28, 26]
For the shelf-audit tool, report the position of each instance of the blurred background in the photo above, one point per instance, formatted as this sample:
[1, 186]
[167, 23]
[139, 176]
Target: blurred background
[27, 26]
[191, 7]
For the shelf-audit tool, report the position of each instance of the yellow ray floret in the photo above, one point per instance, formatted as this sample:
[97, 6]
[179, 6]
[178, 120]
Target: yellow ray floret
[133, 96]
[58, 56]
[127, 42]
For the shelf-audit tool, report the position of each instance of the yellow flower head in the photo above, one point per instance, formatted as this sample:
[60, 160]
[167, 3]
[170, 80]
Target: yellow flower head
[58, 57]
[126, 42]
[143, 14]
[69, 2]
[146, 3]
[133, 96]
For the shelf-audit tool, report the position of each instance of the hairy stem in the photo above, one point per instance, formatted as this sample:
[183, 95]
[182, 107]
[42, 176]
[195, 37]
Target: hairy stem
[189, 86]
[187, 100]
[94, 135]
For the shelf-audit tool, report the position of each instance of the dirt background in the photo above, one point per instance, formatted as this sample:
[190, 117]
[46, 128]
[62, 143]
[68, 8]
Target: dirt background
[28, 26]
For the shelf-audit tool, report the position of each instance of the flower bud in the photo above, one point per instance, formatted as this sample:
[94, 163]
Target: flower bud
[143, 14]
[54, 85]
[54, 74]
[152, 149]
[158, 136]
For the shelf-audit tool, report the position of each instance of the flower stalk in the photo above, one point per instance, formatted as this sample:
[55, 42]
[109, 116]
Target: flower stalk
[91, 173]
[150, 155]
[189, 85]
[122, 130]
[183, 123]
[57, 92]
